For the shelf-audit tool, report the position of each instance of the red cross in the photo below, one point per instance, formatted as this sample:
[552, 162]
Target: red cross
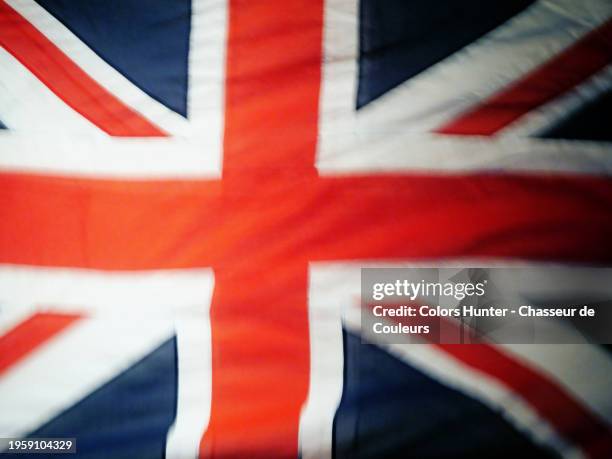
[272, 213]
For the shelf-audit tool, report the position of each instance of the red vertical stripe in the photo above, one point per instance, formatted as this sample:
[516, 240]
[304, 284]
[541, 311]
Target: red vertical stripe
[260, 340]
[272, 91]
[260, 360]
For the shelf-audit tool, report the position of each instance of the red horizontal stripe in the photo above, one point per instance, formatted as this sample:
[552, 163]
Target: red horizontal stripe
[68, 81]
[589, 55]
[123, 225]
[29, 335]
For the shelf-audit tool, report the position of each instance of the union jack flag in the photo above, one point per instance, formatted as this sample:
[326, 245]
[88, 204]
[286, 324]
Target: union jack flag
[189, 188]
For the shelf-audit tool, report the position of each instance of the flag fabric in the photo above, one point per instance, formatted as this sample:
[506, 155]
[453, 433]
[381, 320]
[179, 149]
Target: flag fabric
[188, 190]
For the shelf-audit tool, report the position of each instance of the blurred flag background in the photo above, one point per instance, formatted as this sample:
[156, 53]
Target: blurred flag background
[188, 190]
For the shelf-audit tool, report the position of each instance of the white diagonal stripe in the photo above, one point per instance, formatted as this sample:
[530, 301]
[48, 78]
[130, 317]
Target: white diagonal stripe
[26, 104]
[104, 74]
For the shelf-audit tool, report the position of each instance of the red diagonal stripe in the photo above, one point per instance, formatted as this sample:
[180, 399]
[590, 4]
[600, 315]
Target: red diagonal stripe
[562, 73]
[568, 416]
[68, 81]
[30, 334]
